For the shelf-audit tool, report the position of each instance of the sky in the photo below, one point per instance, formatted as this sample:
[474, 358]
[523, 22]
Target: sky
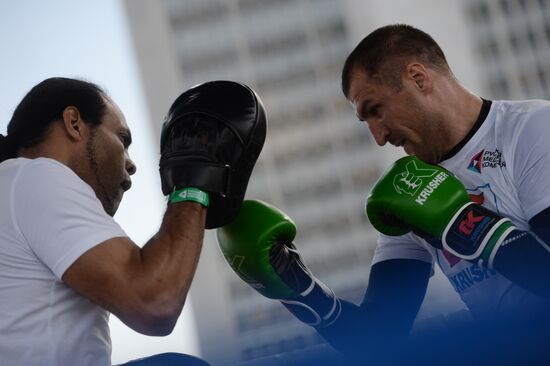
[90, 40]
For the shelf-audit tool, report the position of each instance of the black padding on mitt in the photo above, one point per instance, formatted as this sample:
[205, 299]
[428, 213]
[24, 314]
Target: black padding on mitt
[211, 139]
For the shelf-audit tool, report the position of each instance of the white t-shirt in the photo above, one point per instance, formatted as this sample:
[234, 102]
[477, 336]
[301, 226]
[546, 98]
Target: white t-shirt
[49, 218]
[505, 166]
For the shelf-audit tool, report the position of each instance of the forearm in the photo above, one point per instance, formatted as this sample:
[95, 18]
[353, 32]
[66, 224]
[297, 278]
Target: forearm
[170, 257]
[163, 270]
[366, 331]
[524, 259]
[385, 318]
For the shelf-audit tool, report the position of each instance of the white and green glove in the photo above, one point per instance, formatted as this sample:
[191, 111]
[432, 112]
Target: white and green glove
[428, 200]
[259, 247]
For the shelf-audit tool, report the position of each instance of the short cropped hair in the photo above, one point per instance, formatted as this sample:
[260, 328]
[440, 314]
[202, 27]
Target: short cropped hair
[384, 53]
[44, 104]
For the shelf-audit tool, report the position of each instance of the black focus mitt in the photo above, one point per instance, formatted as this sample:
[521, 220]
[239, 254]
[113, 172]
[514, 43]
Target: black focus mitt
[210, 140]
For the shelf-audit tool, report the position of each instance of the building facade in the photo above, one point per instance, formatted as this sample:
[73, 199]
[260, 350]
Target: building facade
[512, 43]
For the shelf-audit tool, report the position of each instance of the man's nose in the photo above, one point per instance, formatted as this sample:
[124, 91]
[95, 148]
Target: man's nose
[130, 166]
[379, 132]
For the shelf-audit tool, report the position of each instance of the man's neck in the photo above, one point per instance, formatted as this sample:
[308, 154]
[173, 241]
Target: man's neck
[463, 112]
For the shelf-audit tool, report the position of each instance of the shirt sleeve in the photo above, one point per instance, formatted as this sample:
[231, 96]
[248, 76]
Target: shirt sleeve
[407, 246]
[531, 162]
[58, 215]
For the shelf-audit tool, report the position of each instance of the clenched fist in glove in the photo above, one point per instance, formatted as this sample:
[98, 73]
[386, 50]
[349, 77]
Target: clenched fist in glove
[427, 199]
[210, 141]
[259, 247]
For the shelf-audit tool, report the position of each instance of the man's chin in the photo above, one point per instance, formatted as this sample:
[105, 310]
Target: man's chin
[115, 206]
[111, 211]
[112, 207]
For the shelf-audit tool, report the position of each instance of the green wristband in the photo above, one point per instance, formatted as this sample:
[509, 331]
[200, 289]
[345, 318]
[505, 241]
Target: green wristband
[189, 194]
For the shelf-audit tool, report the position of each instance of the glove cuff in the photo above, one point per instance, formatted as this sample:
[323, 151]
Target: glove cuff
[190, 194]
[317, 306]
[476, 233]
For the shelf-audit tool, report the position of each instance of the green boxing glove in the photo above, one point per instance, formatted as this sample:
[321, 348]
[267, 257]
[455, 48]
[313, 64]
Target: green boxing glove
[259, 246]
[428, 200]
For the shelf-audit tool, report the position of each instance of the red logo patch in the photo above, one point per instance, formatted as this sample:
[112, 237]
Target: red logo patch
[469, 224]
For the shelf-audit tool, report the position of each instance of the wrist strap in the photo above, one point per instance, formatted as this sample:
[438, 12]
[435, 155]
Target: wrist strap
[317, 306]
[475, 234]
[189, 194]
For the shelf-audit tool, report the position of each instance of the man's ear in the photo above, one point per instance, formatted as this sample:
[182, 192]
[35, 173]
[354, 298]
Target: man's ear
[419, 75]
[73, 123]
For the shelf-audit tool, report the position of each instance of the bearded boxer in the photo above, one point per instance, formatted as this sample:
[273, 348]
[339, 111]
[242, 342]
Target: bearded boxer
[473, 197]
[65, 264]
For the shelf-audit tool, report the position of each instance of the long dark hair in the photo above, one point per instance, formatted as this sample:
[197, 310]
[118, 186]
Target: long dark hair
[44, 104]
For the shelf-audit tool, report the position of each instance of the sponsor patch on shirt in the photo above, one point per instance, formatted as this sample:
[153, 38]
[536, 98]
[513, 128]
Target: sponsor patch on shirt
[486, 159]
[475, 162]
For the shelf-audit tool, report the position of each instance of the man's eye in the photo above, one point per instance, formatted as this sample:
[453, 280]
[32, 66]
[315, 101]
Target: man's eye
[373, 112]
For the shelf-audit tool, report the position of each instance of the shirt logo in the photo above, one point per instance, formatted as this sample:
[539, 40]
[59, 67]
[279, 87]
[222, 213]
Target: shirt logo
[475, 162]
[486, 159]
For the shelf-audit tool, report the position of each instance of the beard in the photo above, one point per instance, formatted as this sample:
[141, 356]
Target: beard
[109, 202]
